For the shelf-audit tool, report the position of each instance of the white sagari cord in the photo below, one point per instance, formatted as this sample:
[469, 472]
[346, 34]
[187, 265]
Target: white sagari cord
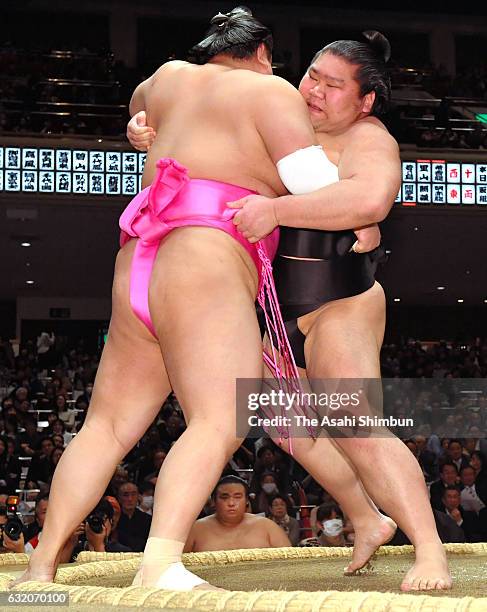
[307, 170]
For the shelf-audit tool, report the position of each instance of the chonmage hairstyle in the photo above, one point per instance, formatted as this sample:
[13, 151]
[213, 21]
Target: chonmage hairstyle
[237, 34]
[371, 58]
[230, 479]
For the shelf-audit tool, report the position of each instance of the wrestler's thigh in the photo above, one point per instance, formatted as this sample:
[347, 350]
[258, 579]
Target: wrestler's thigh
[202, 305]
[345, 336]
[131, 383]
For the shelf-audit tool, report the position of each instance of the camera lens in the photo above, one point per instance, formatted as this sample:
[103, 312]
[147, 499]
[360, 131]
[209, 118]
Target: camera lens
[13, 528]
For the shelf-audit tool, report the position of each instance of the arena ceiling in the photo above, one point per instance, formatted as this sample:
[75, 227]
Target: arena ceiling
[74, 247]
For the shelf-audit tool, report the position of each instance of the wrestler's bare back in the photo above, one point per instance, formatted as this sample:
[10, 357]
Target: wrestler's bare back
[222, 123]
[252, 532]
[204, 118]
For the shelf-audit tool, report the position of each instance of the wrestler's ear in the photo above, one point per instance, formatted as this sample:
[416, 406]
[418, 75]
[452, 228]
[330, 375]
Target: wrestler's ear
[263, 56]
[368, 102]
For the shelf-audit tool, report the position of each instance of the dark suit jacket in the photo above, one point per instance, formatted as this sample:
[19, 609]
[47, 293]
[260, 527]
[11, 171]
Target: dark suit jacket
[436, 494]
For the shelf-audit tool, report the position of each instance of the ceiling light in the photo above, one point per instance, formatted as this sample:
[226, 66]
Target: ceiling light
[460, 301]
[25, 244]
[440, 288]
[29, 282]
[397, 299]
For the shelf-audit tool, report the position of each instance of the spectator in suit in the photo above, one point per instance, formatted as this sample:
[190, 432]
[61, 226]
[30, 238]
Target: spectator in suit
[40, 467]
[426, 458]
[469, 496]
[455, 454]
[479, 463]
[134, 525]
[278, 512]
[40, 511]
[448, 477]
[468, 521]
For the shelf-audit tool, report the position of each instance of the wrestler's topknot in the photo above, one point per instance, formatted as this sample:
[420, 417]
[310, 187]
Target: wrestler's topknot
[370, 58]
[379, 44]
[237, 34]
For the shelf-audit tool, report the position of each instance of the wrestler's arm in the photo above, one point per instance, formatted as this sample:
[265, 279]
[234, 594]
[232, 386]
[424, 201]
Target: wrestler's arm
[277, 536]
[137, 101]
[370, 177]
[281, 118]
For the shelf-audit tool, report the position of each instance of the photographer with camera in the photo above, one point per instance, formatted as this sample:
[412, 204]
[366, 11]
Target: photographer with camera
[11, 536]
[98, 529]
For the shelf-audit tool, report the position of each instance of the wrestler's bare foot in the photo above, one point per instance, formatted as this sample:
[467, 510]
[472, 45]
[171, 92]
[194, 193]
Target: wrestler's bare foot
[430, 570]
[37, 572]
[368, 540]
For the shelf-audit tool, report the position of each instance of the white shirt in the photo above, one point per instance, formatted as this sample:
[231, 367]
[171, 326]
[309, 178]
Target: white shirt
[470, 500]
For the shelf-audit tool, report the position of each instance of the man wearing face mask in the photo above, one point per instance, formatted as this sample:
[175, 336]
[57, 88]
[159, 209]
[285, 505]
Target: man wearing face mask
[330, 526]
[231, 527]
[147, 493]
[266, 490]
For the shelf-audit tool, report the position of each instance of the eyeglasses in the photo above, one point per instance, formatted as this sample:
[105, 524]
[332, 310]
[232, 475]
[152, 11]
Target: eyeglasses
[127, 494]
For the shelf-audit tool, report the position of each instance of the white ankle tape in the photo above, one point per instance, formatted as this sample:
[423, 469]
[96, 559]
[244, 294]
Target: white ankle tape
[177, 578]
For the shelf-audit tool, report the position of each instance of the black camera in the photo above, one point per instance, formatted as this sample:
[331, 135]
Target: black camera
[96, 520]
[14, 526]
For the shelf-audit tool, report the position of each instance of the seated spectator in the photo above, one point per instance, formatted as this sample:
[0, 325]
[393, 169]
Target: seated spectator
[269, 459]
[11, 427]
[427, 459]
[479, 463]
[54, 460]
[278, 512]
[58, 427]
[58, 441]
[10, 468]
[325, 498]
[448, 477]
[40, 511]
[330, 525]
[134, 525]
[231, 527]
[266, 489]
[171, 429]
[40, 466]
[471, 499]
[30, 439]
[147, 497]
[119, 476]
[157, 460]
[467, 521]
[455, 454]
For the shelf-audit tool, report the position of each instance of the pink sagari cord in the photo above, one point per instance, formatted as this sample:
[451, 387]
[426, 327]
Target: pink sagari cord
[174, 200]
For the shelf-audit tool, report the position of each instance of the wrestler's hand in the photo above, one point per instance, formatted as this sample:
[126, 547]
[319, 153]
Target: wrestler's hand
[139, 134]
[256, 217]
[368, 238]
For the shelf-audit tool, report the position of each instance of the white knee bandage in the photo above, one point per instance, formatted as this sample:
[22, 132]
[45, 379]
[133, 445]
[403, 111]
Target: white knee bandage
[307, 170]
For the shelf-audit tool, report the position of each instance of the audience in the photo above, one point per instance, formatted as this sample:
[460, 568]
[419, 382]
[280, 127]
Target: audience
[133, 526]
[448, 441]
[278, 512]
